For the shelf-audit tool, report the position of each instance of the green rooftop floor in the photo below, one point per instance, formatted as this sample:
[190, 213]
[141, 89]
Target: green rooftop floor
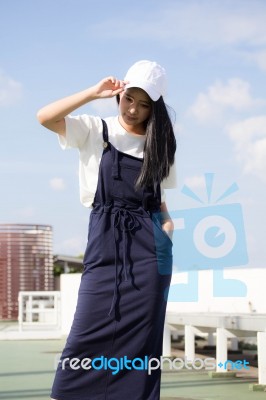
[27, 370]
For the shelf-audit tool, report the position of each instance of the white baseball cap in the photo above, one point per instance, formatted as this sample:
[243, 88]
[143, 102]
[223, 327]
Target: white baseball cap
[149, 76]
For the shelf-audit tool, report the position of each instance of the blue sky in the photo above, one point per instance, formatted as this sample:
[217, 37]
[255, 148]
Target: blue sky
[215, 56]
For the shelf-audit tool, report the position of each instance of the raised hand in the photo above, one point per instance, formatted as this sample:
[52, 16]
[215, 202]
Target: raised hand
[109, 87]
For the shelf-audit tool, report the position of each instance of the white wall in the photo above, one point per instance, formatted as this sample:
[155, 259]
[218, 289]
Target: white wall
[251, 281]
[69, 285]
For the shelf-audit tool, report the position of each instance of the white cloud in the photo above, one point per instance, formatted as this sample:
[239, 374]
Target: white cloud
[249, 138]
[57, 184]
[259, 57]
[234, 95]
[10, 90]
[236, 27]
[208, 23]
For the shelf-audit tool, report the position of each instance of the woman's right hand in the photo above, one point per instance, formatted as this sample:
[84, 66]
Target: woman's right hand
[109, 87]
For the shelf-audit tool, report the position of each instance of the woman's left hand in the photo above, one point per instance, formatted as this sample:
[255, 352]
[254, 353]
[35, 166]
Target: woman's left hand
[167, 224]
[168, 227]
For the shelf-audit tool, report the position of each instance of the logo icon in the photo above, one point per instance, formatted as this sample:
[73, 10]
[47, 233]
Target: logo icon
[208, 237]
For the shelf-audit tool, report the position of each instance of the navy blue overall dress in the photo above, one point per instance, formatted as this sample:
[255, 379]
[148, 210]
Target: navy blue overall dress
[119, 319]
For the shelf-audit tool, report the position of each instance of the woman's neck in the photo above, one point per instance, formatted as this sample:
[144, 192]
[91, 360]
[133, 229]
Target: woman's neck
[135, 129]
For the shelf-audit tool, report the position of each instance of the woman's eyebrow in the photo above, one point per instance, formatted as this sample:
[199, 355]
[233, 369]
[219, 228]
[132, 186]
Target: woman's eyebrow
[140, 100]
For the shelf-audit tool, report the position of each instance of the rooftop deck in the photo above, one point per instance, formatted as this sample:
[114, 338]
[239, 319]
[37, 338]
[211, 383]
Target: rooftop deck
[27, 370]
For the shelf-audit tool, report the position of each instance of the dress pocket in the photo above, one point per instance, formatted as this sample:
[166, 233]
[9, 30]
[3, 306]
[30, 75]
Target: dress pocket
[163, 247]
[158, 225]
[95, 218]
[94, 243]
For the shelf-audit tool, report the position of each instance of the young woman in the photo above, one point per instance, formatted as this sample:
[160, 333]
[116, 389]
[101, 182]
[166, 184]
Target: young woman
[125, 162]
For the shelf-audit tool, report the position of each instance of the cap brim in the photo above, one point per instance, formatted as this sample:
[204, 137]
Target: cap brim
[151, 92]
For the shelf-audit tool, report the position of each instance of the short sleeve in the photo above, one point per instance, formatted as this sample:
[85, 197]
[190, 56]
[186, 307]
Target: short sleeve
[84, 132]
[171, 181]
[78, 129]
[163, 197]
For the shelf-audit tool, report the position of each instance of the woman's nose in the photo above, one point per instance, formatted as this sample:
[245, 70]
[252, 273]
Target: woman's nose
[132, 109]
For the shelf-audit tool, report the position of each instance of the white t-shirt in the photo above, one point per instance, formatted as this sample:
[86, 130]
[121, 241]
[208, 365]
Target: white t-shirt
[84, 132]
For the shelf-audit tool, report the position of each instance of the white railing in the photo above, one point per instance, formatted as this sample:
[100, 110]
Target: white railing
[39, 310]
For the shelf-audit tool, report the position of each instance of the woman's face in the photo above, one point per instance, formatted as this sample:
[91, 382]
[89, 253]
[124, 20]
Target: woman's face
[135, 108]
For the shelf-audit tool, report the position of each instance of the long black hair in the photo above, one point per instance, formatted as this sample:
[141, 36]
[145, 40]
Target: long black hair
[160, 146]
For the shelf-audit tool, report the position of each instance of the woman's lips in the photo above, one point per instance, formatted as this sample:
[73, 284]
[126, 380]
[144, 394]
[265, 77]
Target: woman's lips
[131, 118]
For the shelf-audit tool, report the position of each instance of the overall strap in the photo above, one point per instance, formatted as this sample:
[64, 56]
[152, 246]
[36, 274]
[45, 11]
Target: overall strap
[115, 167]
[105, 134]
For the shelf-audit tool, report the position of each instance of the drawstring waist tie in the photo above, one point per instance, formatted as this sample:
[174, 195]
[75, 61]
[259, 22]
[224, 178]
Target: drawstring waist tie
[124, 221]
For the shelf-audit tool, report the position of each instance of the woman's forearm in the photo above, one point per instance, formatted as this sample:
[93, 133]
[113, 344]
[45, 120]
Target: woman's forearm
[52, 116]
